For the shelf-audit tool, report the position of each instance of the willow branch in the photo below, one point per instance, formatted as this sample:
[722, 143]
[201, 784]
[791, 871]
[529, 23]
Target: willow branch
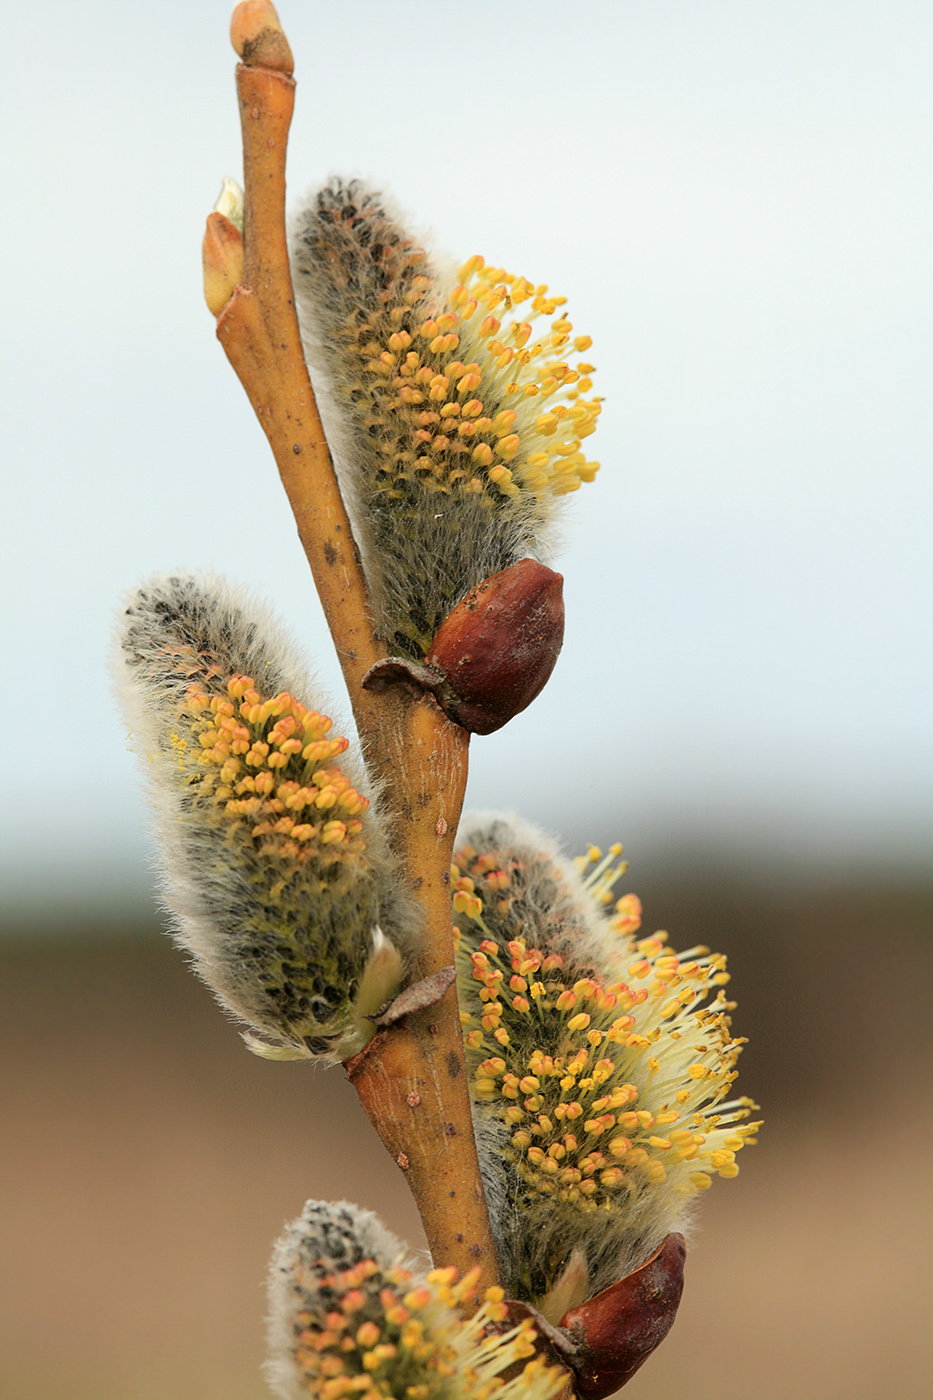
[412, 1079]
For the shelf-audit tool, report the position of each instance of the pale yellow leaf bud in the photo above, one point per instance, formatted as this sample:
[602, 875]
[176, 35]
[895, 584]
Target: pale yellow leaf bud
[221, 261]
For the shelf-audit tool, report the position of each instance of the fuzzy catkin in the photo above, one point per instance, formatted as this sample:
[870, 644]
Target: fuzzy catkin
[599, 1066]
[346, 1317]
[327, 1240]
[449, 457]
[278, 878]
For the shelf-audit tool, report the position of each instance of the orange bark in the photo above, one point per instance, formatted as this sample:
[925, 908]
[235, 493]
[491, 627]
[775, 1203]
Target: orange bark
[412, 1079]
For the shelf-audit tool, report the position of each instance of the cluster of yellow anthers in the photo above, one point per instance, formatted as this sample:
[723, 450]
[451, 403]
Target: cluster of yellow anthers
[384, 1337]
[484, 421]
[269, 761]
[599, 884]
[607, 1086]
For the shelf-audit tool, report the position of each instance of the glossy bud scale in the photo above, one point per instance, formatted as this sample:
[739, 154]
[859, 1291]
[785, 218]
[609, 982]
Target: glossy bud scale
[619, 1328]
[497, 649]
[493, 654]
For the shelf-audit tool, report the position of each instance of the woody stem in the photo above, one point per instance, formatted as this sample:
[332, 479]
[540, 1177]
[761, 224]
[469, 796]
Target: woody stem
[412, 1078]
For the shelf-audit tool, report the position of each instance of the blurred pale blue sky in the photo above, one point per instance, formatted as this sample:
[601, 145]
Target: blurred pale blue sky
[736, 199]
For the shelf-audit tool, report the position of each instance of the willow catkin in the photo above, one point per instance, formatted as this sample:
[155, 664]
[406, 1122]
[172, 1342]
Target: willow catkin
[599, 1065]
[454, 432]
[273, 863]
[347, 1316]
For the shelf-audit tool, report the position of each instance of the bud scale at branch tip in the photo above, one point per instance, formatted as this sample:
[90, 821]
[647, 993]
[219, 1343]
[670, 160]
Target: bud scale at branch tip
[600, 1066]
[455, 435]
[257, 37]
[347, 1317]
[276, 871]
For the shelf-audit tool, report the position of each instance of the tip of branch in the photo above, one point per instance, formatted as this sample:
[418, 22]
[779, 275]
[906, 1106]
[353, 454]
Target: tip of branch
[258, 37]
[222, 261]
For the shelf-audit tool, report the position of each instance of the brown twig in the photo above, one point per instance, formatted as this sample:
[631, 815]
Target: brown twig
[412, 1078]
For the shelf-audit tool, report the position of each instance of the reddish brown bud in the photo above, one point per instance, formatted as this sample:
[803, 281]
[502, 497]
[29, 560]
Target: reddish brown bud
[497, 649]
[619, 1329]
[493, 654]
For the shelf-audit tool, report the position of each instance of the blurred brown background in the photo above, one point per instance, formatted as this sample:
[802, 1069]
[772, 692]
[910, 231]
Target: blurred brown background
[150, 1160]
